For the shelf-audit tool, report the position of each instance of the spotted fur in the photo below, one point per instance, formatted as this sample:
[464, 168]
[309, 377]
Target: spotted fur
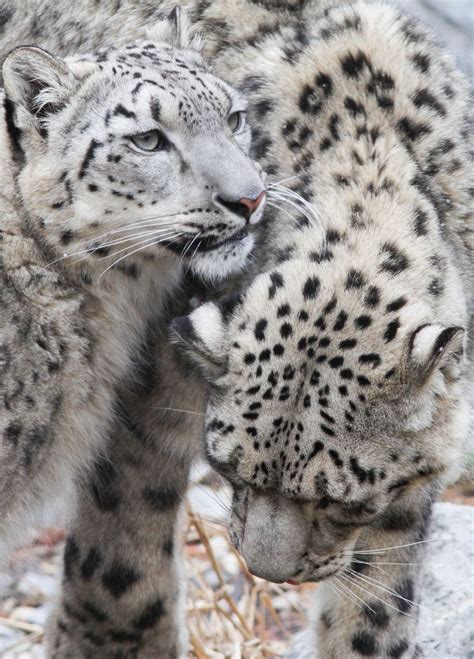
[340, 382]
[288, 62]
[96, 234]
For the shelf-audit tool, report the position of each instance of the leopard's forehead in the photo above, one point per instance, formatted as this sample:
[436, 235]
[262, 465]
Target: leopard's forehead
[178, 82]
[310, 361]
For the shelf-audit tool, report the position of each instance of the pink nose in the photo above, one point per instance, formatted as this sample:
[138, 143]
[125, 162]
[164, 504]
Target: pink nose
[251, 205]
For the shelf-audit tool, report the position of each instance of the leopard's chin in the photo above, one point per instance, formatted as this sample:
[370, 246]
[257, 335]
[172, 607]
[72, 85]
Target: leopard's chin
[224, 260]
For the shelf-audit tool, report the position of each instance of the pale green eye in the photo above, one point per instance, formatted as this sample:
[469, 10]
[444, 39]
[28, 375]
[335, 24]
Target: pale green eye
[152, 140]
[236, 121]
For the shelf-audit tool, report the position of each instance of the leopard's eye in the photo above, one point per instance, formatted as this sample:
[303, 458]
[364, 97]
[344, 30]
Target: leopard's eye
[152, 140]
[236, 121]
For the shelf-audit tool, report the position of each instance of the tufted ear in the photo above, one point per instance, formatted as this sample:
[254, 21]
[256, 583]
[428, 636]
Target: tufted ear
[176, 30]
[37, 83]
[201, 335]
[435, 347]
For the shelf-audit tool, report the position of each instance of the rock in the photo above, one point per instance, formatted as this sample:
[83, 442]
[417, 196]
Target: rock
[446, 622]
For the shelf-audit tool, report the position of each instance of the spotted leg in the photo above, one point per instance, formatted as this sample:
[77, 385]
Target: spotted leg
[371, 609]
[123, 587]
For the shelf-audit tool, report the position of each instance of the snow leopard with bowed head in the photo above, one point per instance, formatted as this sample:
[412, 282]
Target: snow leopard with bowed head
[119, 169]
[340, 379]
[117, 596]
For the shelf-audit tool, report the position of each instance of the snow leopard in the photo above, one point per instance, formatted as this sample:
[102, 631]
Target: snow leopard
[340, 378]
[120, 169]
[274, 53]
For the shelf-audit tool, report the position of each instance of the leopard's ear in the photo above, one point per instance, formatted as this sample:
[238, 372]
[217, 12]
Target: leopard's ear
[201, 336]
[434, 348]
[176, 30]
[37, 83]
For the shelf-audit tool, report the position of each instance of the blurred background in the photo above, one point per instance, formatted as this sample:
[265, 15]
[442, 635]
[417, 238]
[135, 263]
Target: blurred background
[232, 614]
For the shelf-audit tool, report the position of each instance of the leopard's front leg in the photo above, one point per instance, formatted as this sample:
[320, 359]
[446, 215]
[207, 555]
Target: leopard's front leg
[123, 585]
[371, 609]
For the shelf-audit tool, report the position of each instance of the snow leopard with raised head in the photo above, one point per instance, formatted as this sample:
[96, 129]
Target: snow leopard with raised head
[340, 380]
[275, 56]
[119, 170]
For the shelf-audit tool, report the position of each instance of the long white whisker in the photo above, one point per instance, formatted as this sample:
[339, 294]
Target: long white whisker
[378, 584]
[162, 237]
[380, 563]
[364, 604]
[186, 249]
[383, 549]
[283, 210]
[301, 209]
[292, 194]
[96, 247]
[212, 495]
[338, 592]
[135, 225]
[91, 250]
[148, 244]
[122, 239]
[377, 597]
[283, 180]
[177, 409]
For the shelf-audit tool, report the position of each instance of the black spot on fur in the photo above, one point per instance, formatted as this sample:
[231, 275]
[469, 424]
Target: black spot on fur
[151, 615]
[372, 359]
[361, 322]
[161, 499]
[396, 305]
[397, 649]
[365, 644]
[406, 590]
[276, 283]
[347, 344]
[355, 279]
[340, 321]
[155, 108]
[352, 65]
[378, 616]
[354, 107]
[421, 222]
[312, 98]
[12, 433]
[372, 297]
[90, 154]
[395, 260]
[260, 327]
[411, 129]
[90, 564]
[104, 485]
[71, 556]
[424, 98]
[311, 288]
[121, 110]
[421, 61]
[119, 579]
[94, 612]
[391, 330]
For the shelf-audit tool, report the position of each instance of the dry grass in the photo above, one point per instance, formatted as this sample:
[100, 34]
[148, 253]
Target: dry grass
[232, 614]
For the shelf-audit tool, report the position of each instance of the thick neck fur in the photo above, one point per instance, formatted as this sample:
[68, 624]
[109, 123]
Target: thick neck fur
[118, 303]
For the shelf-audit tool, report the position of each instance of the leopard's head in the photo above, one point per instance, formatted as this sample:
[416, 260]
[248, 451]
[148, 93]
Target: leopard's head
[328, 406]
[132, 154]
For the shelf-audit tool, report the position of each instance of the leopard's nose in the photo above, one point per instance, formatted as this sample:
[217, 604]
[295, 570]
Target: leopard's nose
[252, 205]
[246, 207]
